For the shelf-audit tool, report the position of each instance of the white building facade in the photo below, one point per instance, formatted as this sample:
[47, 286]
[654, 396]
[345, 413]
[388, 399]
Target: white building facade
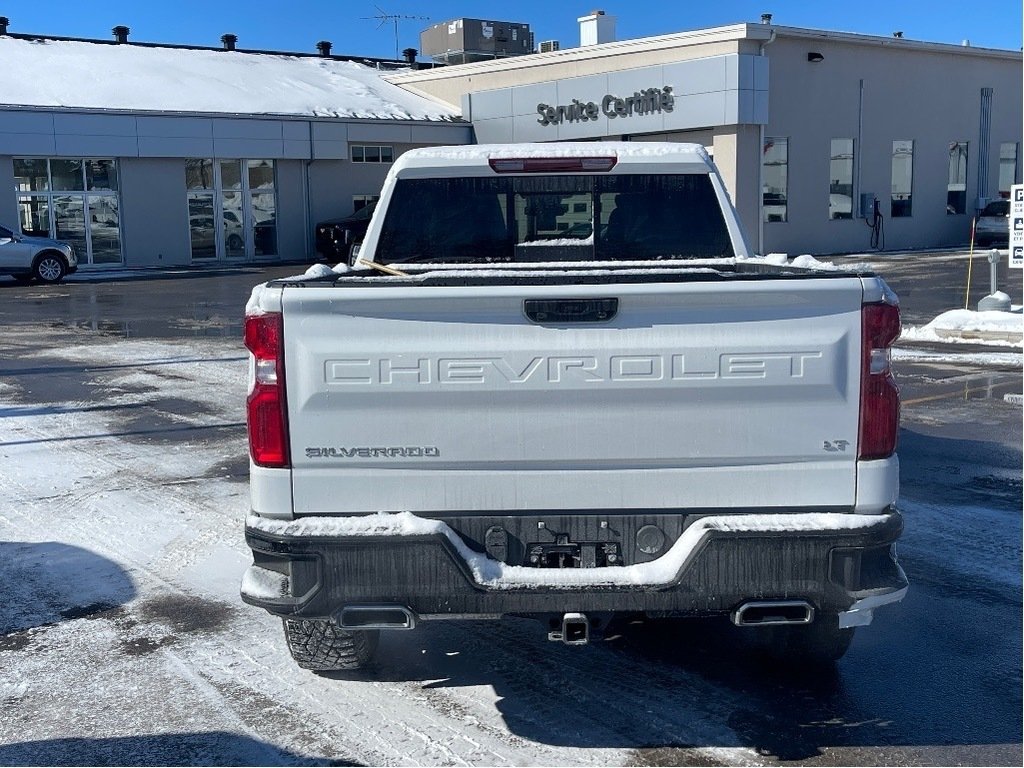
[828, 142]
[193, 157]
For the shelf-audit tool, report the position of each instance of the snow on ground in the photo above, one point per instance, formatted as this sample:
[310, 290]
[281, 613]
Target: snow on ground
[127, 77]
[965, 326]
[953, 327]
[121, 523]
[990, 359]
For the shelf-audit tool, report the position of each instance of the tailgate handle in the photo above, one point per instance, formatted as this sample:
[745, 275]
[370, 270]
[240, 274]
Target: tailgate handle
[571, 310]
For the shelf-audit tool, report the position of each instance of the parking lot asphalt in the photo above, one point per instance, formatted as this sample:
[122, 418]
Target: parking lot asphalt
[122, 489]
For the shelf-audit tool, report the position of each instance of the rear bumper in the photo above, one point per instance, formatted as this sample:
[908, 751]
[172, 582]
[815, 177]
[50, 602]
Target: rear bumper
[313, 567]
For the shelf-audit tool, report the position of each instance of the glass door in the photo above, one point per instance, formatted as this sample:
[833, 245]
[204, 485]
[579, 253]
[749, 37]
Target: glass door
[263, 210]
[69, 218]
[232, 209]
[232, 215]
[199, 181]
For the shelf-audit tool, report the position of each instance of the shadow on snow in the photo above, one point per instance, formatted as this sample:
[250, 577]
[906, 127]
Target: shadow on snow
[211, 748]
[49, 582]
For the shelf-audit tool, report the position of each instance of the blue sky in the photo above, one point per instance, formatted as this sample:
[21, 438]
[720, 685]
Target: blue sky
[297, 25]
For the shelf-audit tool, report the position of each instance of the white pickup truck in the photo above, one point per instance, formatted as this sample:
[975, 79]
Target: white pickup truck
[555, 384]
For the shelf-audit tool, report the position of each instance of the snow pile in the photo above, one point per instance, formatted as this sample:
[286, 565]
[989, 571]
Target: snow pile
[990, 359]
[806, 261]
[479, 153]
[497, 575]
[317, 270]
[254, 305]
[128, 77]
[965, 326]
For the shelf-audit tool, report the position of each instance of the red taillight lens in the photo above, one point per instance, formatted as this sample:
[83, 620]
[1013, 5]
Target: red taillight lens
[879, 395]
[266, 409]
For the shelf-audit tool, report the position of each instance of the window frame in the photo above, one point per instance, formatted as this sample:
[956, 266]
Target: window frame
[1014, 174]
[957, 206]
[362, 201]
[361, 150]
[833, 184]
[87, 194]
[775, 142]
[893, 213]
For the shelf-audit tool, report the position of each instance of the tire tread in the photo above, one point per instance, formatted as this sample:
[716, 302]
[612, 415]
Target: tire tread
[321, 646]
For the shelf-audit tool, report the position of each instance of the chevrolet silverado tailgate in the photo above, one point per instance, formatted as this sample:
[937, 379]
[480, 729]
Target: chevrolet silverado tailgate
[699, 395]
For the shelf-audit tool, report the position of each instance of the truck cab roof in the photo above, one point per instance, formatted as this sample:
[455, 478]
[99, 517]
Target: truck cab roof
[483, 159]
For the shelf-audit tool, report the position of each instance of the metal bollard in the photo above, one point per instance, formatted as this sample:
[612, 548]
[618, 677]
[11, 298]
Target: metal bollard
[996, 301]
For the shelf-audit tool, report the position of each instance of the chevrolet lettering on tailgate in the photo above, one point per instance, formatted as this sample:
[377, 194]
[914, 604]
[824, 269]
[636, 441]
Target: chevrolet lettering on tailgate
[557, 369]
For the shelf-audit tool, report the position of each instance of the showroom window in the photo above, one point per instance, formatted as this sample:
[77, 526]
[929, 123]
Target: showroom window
[71, 199]
[372, 153]
[1008, 158]
[902, 178]
[956, 189]
[840, 179]
[232, 208]
[775, 163]
[361, 201]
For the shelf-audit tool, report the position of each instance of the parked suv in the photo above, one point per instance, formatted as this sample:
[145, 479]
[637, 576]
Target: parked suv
[335, 237]
[40, 258]
[993, 227]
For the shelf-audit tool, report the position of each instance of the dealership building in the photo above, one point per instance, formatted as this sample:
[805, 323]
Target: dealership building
[158, 156]
[809, 129]
[828, 142]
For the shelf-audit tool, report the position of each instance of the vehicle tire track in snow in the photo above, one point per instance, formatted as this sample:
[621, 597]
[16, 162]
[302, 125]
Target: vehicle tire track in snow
[601, 695]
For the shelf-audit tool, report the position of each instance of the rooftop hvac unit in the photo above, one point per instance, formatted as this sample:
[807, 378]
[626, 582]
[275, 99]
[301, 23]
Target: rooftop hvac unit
[465, 40]
[547, 46]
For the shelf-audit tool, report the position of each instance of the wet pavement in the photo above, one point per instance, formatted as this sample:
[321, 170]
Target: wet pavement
[131, 386]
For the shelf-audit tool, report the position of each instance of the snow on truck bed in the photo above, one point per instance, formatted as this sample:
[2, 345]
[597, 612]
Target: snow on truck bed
[418, 271]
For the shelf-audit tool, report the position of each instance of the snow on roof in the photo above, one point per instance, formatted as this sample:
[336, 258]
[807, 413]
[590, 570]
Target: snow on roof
[62, 73]
[563, 149]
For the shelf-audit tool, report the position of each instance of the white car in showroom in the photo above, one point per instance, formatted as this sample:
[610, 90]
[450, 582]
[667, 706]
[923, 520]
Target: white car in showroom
[35, 258]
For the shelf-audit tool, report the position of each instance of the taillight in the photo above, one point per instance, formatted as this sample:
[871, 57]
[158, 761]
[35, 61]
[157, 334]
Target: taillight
[266, 408]
[551, 164]
[879, 395]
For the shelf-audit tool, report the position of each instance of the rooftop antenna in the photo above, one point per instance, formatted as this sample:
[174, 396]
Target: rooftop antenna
[384, 17]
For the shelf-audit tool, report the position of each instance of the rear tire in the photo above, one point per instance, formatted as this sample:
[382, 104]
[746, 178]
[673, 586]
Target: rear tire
[322, 646]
